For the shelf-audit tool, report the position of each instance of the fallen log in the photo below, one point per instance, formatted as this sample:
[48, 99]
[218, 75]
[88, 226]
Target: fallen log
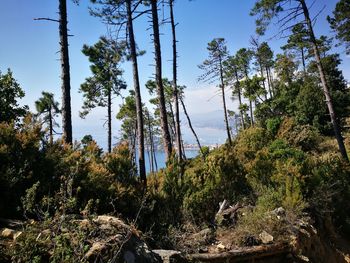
[244, 254]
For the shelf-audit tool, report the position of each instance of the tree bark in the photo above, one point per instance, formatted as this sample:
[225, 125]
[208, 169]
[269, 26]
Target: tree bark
[159, 82]
[325, 87]
[224, 102]
[250, 103]
[150, 134]
[176, 97]
[239, 99]
[303, 59]
[190, 124]
[109, 109]
[51, 124]
[65, 76]
[268, 81]
[139, 113]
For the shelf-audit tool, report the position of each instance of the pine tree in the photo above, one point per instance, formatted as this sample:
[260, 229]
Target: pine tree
[106, 81]
[214, 71]
[47, 107]
[289, 11]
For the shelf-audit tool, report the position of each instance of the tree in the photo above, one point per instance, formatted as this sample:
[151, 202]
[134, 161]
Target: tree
[233, 77]
[47, 107]
[291, 10]
[244, 57]
[159, 81]
[340, 23]
[127, 113]
[214, 71]
[10, 92]
[175, 91]
[98, 90]
[298, 42]
[266, 56]
[169, 98]
[122, 13]
[258, 61]
[285, 67]
[65, 76]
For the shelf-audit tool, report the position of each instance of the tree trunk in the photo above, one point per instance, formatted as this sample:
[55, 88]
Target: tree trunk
[239, 99]
[151, 141]
[66, 100]
[190, 124]
[139, 114]
[303, 59]
[326, 92]
[176, 97]
[224, 102]
[268, 81]
[262, 75]
[271, 81]
[51, 124]
[159, 82]
[109, 109]
[172, 123]
[250, 103]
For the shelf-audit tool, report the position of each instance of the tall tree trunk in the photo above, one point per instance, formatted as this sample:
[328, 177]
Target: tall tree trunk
[239, 98]
[151, 141]
[65, 75]
[303, 59]
[326, 92]
[109, 109]
[268, 80]
[224, 102]
[159, 82]
[190, 124]
[172, 123]
[262, 75]
[51, 124]
[139, 114]
[176, 91]
[271, 81]
[250, 103]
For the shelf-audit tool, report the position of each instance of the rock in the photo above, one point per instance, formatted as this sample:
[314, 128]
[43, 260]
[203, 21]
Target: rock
[265, 237]
[303, 258]
[110, 220]
[221, 247]
[170, 256]
[279, 212]
[8, 233]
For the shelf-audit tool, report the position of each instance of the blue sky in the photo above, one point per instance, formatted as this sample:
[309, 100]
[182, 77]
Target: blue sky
[30, 48]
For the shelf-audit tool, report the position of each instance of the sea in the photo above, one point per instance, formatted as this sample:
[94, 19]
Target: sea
[160, 156]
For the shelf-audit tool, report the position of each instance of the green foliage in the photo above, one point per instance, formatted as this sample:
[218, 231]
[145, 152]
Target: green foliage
[105, 57]
[272, 125]
[10, 92]
[340, 23]
[220, 177]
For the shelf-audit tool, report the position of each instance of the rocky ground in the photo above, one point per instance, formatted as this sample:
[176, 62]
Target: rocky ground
[109, 239]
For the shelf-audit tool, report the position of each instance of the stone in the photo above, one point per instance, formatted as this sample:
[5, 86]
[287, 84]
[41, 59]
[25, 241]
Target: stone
[265, 237]
[7, 233]
[221, 247]
[110, 220]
